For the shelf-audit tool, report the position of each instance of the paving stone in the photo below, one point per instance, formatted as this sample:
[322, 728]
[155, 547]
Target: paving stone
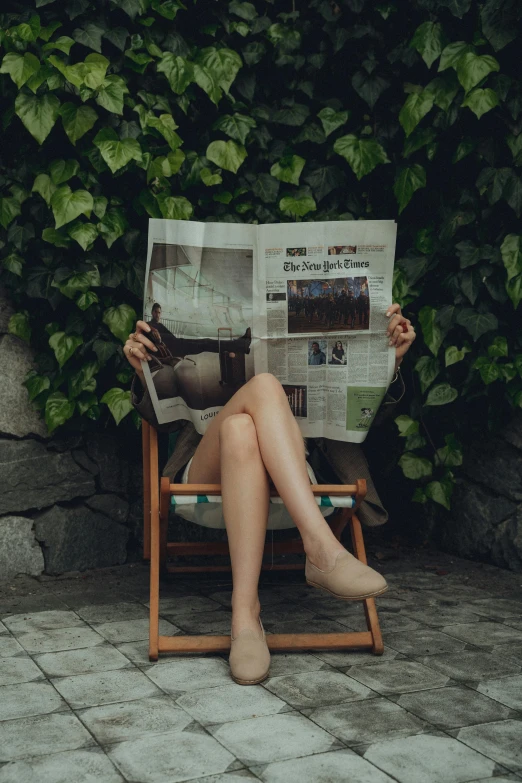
[131, 720]
[241, 776]
[90, 690]
[508, 691]
[367, 721]
[484, 634]
[41, 735]
[3, 629]
[514, 624]
[138, 653]
[61, 639]
[498, 607]
[214, 622]
[133, 630]
[312, 689]
[230, 702]
[341, 660]
[394, 621]
[294, 663]
[41, 621]
[102, 658]
[452, 707]
[9, 647]
[440, 615]
[501, 741]
[338, 765]
[398, 677]
[15, 670]
[187, 604]
[429, 759]
[511, 650]
[170, 756]
[108, 613]
[470, 665]
[272, 738]
[424, 641]
[82, 766]
[283, 613]
[29, 698]
[189, 674]
[315, 625]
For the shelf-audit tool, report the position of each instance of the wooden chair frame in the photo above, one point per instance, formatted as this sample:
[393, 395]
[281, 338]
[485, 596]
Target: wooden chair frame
[156, 548]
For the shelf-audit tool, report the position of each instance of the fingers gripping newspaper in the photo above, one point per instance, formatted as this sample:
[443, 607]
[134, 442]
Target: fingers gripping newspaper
[304, 301]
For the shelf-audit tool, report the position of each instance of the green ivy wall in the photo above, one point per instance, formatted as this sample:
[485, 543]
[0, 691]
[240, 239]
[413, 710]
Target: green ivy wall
[259, 112]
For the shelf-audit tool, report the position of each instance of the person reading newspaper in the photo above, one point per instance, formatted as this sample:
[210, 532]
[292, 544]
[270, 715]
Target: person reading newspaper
[255, 439]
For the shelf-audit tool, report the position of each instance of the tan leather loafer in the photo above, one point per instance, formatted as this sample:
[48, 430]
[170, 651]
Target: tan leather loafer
[349, 579]
[249, 657]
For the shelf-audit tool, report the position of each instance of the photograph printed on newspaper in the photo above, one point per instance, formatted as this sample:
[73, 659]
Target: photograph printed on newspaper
[303, 301]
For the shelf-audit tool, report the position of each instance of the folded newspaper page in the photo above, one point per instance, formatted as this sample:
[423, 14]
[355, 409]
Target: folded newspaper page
[304, 301]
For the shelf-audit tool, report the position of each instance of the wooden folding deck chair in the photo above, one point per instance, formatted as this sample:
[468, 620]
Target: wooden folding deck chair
[158, 495]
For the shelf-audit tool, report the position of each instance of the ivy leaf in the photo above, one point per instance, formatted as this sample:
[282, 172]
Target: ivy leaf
[58, 410]
[84, 233]
[83, 380]
[454, 354]
[115, 152]
[63, 44]
[363, 155]
[406, 426]
[499, 22]
[56, 238]
[472, 68]
[237, 126]
[10, 208]
[294, 115]
[418, 139]
[64, 345]
[476, 323]
[208, 83]
[77, 120]
[20, 67]
[209, 179]
[297, 207]
[119, 403]
[499, 347]
[113, 225]
[99, 206]
[38, 113]
[63, 170]
[452, 53]
[288, 169]
[431, 331]
[324, 179]
[511, 252]
[111, 93]
[227, 155]
[415, 467]
[331, 120]
[428, 368]
[514, 290]
[443, 89]
[79, 281]
[266, 188]
[441, 394]
[489, 370]
[245, 11]
[68, 205]
[165, 125]
[429, 40]
[440, 492]
[13, 263]
[369, 86]
[222, 64]
[416, 107]
[120, 320]
[85, 300]
[174, 207]
[90, 36]
[36, 384]
[18, 325]
[450, 455]
[481, 101]
[179, 72]
[407, 182]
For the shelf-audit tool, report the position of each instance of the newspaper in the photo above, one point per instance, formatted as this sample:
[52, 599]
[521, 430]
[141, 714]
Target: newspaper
[304, 301]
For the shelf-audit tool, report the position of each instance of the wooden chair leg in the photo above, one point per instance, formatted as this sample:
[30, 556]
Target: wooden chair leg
[154, 549]
[164, 521]
[370, 611]
[145, 442]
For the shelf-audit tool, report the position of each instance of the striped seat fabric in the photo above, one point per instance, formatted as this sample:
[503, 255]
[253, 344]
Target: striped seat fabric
[326, 501]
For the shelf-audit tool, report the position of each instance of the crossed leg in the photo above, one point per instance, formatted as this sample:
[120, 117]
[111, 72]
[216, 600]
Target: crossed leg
[253, 437]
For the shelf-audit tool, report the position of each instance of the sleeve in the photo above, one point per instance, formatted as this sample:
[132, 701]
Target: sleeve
[142, 404]
[394, 395]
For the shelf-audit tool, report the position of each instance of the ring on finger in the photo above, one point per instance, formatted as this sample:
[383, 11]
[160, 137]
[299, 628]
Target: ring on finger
[131, 349]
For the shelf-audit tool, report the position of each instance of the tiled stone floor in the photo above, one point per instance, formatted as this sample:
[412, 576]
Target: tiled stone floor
[80, 701]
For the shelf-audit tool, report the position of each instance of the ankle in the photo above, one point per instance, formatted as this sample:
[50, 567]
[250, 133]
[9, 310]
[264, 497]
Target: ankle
[323, 554]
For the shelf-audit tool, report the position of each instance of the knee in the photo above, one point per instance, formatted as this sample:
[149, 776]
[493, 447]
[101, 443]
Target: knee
[267, 388]
[238, 436]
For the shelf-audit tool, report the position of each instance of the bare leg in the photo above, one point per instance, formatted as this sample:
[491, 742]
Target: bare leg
[282, 452]
[245, 492]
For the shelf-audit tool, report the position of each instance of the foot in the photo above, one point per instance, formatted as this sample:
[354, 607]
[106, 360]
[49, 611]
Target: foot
[348, 579]
[249, 656]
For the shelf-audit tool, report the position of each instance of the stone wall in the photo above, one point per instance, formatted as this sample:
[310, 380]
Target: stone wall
[66, 503]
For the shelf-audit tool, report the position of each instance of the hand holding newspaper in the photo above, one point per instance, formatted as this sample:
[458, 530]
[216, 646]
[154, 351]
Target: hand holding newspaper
[304, 301]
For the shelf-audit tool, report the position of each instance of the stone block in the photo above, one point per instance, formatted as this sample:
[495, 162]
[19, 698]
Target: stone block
[20, 553]
[111, 505]
[33, 476]
[108, 453]
[495, 464]
[17, 415]
[75, 539]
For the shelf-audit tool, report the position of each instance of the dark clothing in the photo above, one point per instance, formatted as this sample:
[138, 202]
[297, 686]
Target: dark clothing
[337, 353]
